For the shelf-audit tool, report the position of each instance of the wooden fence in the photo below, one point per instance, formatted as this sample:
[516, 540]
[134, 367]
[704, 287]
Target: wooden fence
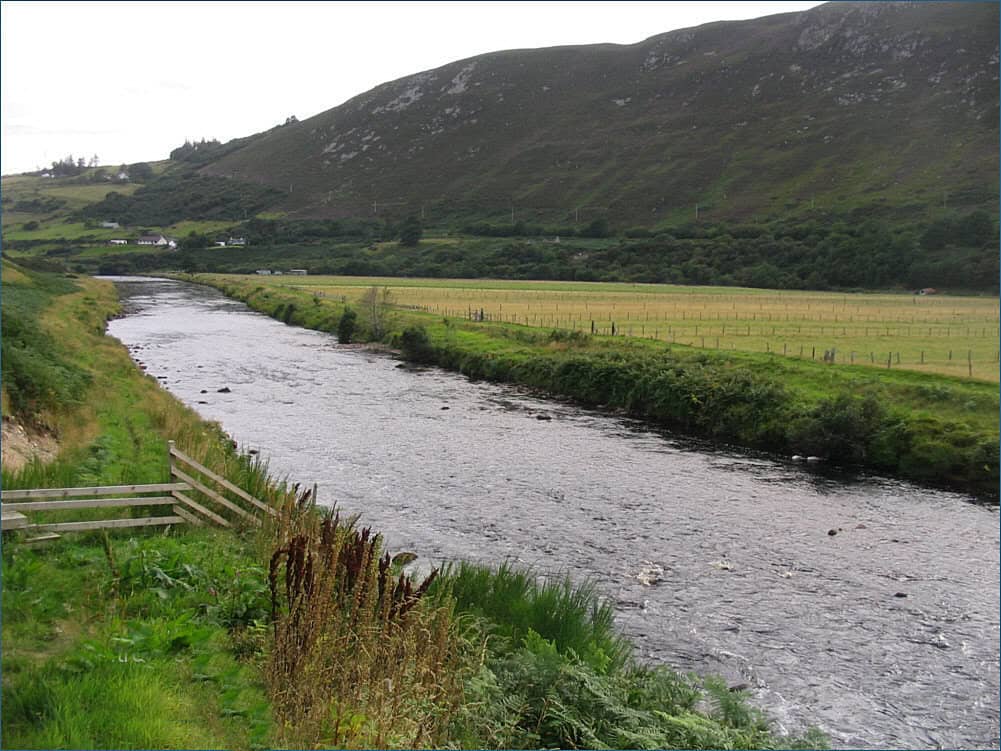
[192, 499]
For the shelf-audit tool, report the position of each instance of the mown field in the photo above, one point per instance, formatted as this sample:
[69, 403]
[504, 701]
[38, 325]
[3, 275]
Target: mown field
[943, 334]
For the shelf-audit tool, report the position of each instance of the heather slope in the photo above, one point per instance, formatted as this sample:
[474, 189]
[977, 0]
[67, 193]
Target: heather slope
[875, 108]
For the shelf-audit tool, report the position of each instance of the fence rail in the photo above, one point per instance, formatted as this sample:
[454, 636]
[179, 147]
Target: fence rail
[194, 481]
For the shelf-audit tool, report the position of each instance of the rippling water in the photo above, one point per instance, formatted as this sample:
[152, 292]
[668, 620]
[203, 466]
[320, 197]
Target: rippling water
[885, 634]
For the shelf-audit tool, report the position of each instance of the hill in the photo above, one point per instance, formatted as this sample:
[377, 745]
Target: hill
[849, 109]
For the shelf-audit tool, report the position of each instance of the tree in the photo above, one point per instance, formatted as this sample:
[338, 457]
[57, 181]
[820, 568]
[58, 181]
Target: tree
[375, 304]
[140, 171]
[597, 228]
[411, 232]
[346, 326]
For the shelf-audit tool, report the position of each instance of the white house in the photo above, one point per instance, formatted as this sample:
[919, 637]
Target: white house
[237, 241]
[220, 243]
[152, 240]
[264, 272]
[118, 242]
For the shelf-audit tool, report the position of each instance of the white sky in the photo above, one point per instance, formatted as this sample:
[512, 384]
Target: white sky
[129, 81]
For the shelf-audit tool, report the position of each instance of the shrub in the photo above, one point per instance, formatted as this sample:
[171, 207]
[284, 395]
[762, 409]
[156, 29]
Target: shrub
[840, 429]
[346, 326]
[416, 345]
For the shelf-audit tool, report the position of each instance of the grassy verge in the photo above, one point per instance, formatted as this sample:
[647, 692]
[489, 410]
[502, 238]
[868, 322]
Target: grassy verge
[303, 634]
[139, 640]
[924, 427]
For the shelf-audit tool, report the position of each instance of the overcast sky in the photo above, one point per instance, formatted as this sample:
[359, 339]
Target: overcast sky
[129, 81]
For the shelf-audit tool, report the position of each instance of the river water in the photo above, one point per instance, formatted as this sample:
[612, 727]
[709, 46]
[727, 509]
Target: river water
[884, 635]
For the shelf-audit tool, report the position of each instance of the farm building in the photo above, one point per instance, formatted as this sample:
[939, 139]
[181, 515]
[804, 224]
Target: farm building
[118, 242]
[297, 272]
[110, 225]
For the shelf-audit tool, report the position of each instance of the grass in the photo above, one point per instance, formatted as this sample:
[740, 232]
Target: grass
[516, 603]
[931, 428]
[133, 640]
[555, 675]
[95, 657]
[950, 335]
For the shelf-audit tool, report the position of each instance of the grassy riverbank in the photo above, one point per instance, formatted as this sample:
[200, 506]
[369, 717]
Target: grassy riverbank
[929, 428]
[130, 640]
[198, 637]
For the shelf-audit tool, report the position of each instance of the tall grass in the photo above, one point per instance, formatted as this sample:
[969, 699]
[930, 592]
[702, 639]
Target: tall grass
[357, 660]
[516, 602]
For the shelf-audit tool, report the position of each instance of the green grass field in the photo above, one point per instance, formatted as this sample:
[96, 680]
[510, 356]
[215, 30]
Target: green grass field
[932, 333]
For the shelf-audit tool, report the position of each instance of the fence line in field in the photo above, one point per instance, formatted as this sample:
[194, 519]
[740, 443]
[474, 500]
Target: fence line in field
[705, 337]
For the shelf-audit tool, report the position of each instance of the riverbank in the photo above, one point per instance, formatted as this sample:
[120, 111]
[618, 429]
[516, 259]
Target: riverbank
[173, 640]
[123, 640]
[936, 430]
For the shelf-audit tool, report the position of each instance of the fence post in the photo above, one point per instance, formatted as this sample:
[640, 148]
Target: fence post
[170, 461]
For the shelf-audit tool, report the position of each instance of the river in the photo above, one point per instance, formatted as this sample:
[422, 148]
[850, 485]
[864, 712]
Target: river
[884, 634]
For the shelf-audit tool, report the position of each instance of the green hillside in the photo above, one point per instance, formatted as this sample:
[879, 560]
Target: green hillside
[851, 109]
[852, 146]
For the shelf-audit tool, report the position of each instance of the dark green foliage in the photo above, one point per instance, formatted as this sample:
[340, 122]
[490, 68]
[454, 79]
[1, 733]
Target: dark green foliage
[39, 205]
[171, 198]
[416, 345]
[140, 172]
[597, 228]
[518, 603]
[411, 232]
[346, 326]
[837, 255]
[197, 152]
[840, 428]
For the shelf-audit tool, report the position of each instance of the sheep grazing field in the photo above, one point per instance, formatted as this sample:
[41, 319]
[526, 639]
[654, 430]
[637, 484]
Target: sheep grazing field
[935, 333]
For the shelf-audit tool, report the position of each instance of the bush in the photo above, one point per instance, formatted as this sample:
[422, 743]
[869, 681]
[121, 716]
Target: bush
[840, 429]
[416, 345]
[347, 326]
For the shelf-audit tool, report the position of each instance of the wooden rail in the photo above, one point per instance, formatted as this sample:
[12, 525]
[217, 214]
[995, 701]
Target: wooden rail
[184, 508]
[23, 495]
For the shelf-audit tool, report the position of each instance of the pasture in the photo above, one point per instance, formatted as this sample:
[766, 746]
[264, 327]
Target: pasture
[944, 334]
